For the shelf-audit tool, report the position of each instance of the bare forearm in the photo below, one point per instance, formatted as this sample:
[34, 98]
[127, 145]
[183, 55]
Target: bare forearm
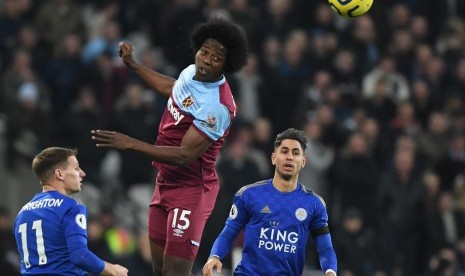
[164, 154]
[159, 82]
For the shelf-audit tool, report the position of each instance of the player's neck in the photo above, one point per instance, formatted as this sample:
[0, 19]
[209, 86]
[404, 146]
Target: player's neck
[283, 185]
[48, 187]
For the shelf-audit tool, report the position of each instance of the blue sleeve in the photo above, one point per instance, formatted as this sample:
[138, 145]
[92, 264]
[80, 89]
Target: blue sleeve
[223, 243]
[238, 218]
[320, 217]
[326, 252]
[82, 257]
[75, 226]
[239, 214]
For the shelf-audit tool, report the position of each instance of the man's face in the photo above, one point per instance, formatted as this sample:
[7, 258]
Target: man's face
[289, 159]
[209, 61]
[72, 175]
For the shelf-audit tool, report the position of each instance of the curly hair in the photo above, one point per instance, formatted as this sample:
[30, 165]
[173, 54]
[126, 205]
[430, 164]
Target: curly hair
[228, 34]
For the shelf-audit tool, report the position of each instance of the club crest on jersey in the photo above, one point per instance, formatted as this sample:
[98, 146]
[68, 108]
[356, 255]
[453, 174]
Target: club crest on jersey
[188, 101]
[301, 214]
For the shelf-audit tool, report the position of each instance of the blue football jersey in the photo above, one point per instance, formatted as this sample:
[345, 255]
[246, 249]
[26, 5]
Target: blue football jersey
[277, 226]
[41, 230]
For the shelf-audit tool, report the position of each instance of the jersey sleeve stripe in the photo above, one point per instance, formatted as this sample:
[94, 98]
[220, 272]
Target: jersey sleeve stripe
[242, 190]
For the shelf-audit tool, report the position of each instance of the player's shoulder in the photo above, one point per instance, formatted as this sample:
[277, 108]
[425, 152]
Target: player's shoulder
[254, 187]
[188, 72]
[69, 201]
[311, 194]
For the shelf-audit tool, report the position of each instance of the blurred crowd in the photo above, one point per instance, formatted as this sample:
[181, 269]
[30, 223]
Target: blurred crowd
[381, 99]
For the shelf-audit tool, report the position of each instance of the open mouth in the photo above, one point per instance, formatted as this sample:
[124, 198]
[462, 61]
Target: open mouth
[203, 70]
[288, 167]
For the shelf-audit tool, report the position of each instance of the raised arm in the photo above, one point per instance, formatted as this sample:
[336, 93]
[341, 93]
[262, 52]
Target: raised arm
[159, 82]
[192, 146]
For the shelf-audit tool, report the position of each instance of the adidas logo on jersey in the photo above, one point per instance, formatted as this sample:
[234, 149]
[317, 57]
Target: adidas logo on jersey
[266, 210]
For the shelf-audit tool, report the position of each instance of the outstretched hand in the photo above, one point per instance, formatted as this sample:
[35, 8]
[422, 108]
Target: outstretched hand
[111, 139]
[212, 263]
[126, 52]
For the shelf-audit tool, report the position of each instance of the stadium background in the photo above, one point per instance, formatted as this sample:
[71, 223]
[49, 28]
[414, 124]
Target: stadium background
[380, 97]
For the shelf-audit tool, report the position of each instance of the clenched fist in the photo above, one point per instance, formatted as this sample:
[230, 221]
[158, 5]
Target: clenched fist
[126, 52]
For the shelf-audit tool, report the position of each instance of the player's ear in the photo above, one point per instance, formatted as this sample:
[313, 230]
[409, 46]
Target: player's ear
[304, 161]
[273, 159]
[59, 174]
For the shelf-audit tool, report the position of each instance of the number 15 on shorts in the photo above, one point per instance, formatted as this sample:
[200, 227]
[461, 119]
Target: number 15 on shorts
[180, 219]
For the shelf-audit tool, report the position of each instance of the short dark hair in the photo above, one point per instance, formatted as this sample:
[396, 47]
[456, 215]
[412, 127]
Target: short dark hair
[228, 34]
[48, 160]
[294, 134]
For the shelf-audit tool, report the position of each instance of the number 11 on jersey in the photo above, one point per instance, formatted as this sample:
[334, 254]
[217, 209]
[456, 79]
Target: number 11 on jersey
[36, 225]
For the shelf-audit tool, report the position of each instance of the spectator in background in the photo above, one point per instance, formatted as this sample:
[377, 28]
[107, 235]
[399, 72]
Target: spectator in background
[107, 43]
[64, 73]
[135, 115]
[11, 21]
[9, 258]
[355, 179]
[247, 98]
[84, 115]
[364, 43]
[312, 96]
[422, 101]
[447, 227]
[30, 41]
[262, 142]
[453, 164]
[20, 73]
[357, 246]
[57, 18]
[377, 144]
[29, 127]
[395, 84]
[140, 262]
[98, 17]
[106, 80]
[236, 165]
[314, 174]
[399, 203]
[432, 143]
[405, 122]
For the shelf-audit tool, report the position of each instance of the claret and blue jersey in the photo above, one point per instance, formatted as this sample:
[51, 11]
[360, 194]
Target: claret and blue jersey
[210, 109]
[276, 228]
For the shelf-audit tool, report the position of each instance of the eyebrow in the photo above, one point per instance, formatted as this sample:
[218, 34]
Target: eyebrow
[211, 48]
[284, 147]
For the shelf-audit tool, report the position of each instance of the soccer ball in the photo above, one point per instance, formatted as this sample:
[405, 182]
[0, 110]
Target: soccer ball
[350, 8]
